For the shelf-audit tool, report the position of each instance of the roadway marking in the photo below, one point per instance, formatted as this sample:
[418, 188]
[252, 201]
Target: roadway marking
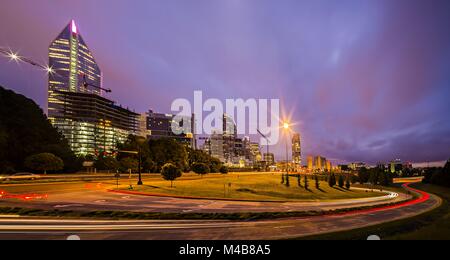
[9, 216]
[68, 205]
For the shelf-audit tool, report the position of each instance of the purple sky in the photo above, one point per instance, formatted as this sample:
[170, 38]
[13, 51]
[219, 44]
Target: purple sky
[365, 80]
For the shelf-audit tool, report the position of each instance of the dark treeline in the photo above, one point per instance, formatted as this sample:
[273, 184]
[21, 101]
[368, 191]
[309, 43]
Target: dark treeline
[375, 176]
[438, 176]
[25, 131]
[28, 142]
[155, 154]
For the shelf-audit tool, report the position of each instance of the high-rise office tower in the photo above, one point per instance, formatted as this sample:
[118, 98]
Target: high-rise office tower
[320, 163]
[310, 163]
[73, 63]
[296, 149]
[229, 139]
[92, 124]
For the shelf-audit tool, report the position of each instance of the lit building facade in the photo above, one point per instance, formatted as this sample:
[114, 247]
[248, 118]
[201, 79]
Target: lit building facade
[296, 149]
[269, 158]
[230, 151]
[72, 61]
[310, 163]
[91, 123]
[357, 165]
[320, 163]
[216, 146]
[329, 167]
[169, 126]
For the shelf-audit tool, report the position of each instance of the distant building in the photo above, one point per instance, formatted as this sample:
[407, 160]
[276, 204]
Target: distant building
[396, 166]
[255, 152]
[269, 158]
[310, 163]
[250, 151]
[216, 146]
[407, 165]
[329, 167]
[229, 139]
[296, 149]
[142, 126]
[357, 165]
[320, 163]
[161, 125]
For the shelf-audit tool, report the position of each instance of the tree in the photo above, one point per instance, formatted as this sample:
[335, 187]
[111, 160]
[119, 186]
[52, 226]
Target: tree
[282, 178]
[374, 175]
[363, 175]
[150, 166]
[170, 172]
[198, 156]
[200, 168]
[107, 163]
[44, 162]
[287, 180]
[341, 181]
[25, 131]
[299, 180]
[317, 182]
[332, 180]
[441, 176]
[347, 183]
[164, 151]
[306, 183]
[129, 163]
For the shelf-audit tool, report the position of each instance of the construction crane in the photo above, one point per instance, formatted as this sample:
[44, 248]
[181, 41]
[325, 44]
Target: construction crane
[265, 137]
[15, 57]
[86, 84]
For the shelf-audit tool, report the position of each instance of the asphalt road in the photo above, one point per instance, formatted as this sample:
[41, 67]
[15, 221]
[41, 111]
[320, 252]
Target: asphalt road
[28, 228]
[19, 228]
[90, 196]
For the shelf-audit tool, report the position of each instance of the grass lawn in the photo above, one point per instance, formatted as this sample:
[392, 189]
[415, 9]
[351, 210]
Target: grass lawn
[249, 186]
[434, 225]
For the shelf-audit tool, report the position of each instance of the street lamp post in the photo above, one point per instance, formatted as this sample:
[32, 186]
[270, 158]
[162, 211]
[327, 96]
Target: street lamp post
[140, 141]
[286, 128]
[139, 165]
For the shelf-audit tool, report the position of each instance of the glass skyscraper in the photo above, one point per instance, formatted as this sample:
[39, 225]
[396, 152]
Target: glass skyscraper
[296, 149]
[72, 61]
[92, 124]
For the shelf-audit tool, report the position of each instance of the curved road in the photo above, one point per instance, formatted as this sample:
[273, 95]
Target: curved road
[94, 196]
[19, 228]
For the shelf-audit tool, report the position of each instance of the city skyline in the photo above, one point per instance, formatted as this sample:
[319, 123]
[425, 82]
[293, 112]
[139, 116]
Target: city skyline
[373, 103]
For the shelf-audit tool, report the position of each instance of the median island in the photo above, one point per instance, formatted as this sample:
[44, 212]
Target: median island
[247, 186]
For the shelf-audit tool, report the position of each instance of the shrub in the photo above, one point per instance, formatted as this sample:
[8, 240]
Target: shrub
[224, 170]
[341, 181]
[200, 168]
[107, 163]
[44, 162]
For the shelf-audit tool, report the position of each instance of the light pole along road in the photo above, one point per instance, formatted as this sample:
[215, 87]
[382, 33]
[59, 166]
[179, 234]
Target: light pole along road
[28, 228]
